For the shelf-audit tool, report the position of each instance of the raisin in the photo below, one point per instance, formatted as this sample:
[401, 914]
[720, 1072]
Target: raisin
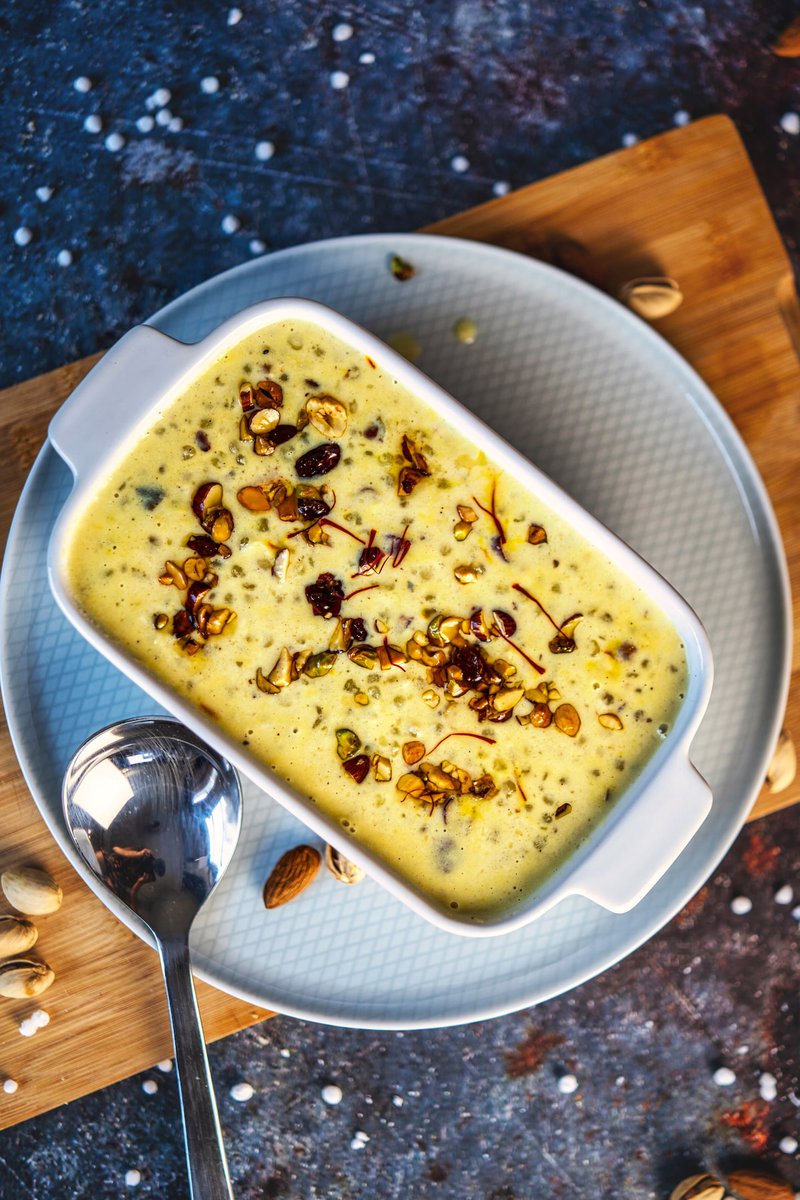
[311, 508]
[281, 434]
[318, 461]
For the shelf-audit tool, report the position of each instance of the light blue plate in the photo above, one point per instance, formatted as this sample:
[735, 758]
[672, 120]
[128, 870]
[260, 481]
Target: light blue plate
[591, 395]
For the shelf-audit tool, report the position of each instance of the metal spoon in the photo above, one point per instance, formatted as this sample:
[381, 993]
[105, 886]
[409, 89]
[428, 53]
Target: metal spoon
[156, 815]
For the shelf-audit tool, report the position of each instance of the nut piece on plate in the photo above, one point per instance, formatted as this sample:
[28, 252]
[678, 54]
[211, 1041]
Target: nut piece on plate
[16, 936]
[699, 1187]
[341, 867]
[31, 891]
[652, 298]
[22, 978]
[291, 875]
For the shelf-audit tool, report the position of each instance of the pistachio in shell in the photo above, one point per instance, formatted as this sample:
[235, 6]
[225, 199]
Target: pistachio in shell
[31, 891]
[22, 978]
[652, 298]
[17, 936]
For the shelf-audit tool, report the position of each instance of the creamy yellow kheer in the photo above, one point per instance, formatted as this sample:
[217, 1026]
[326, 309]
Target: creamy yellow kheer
[307, 553]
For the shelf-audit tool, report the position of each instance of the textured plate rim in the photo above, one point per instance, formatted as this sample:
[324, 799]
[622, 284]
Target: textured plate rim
[746, 477]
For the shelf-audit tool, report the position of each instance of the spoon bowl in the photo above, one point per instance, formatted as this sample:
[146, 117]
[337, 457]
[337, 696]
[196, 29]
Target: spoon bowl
[156, 815]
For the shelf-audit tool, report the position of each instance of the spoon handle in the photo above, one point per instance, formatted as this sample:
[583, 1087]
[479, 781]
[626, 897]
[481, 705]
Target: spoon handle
[205, 1152]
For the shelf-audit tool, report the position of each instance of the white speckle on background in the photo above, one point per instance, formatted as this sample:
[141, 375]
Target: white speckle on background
[145, 124]
[742, 1049]
[788, 1145]
[23, 235]
[342, 32]
[286, 1053]
[724, 1077]
[359, 1140]
[209, 85]
[767, 1086]
[398, 1101]
[10, 1086]
[459, 164]
[149, 1087]
[165, 1065]
[40, 1018]
[784, 895]
[629, 139]
[681, 118]
[339, 80]
[501, 188]
[159, 99]
[741, 905]
[175, 125]
[163, 117]
[567, 1084]
[230, 223]
[133, 1178]
[234, 16]
[82, 84]
[114, 142]
[44, 194]
[28, 1027]
[331, 1094]
[243, 1092]
[790, 123]
[256, 246]
[93, 124]
[367, 58]
[264, 151]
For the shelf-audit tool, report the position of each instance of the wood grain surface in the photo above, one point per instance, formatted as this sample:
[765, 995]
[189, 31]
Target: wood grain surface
[686, 204]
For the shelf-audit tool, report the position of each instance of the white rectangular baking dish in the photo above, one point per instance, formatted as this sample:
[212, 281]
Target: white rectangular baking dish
[647, 827]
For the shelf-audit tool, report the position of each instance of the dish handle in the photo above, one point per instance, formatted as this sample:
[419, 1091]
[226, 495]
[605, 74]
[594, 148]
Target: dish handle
[640, 847]
[107, 404]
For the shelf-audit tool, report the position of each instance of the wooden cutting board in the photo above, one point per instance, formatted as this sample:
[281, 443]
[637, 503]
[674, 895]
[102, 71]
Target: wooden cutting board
[685, 204]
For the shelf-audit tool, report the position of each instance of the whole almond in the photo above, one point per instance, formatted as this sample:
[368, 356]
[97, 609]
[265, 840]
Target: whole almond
[699, 1187]
[31, 891]
[752, 1184]
[788, 44]
[291, 875]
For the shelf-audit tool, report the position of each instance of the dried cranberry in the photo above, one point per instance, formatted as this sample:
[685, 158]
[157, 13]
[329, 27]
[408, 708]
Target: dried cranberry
[281, 434]
[325, 596]
[311, 508]
[206, 547]
[357, 767]
[371, 432]
[358, 629]
[369, 560]
[470, 662]
[318, 461]
[182, 623]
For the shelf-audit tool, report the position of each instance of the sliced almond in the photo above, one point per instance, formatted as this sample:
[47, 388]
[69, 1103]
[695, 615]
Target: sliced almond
[342, 868]
[253, 499]
[264, 420]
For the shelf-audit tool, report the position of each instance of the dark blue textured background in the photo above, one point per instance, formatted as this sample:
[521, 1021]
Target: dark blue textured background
[521, 90]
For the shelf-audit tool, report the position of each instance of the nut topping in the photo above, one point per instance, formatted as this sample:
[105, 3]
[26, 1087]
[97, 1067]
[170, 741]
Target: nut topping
[567, 719]
[327, 415]
[413, 752]
[264, 420]
[609, 720]
[536, 535]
